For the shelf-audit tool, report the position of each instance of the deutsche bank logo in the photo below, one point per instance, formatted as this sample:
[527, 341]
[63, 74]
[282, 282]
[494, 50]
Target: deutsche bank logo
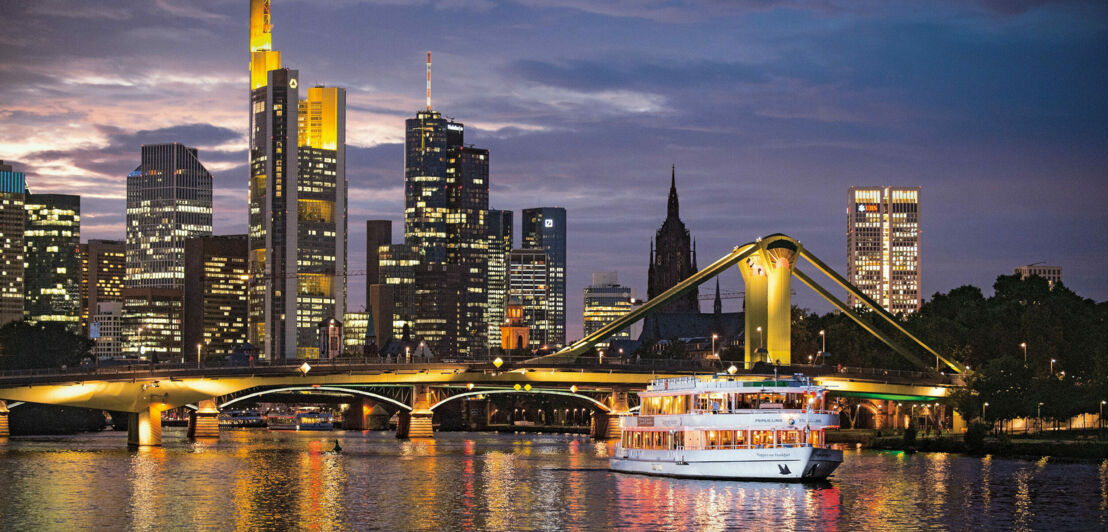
[548, 222]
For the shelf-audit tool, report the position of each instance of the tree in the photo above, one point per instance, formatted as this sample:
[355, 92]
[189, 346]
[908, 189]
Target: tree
[43, 345]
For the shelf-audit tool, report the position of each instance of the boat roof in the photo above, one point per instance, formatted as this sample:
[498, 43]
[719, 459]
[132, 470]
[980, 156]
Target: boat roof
[709, 383]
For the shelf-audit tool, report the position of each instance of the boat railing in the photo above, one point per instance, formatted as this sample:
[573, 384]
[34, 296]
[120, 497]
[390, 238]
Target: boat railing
[698, 411]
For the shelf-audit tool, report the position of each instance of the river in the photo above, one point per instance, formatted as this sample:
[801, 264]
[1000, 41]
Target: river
[255, 479]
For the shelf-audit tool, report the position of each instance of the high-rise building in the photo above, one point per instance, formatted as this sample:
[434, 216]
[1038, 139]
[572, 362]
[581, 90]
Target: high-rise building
[1052, 274]
[883, 246]
[446, 200]
[106, 329]
[354, 333]
[103, 266]
[12, 226]
[673, 257]
[215, 294]
[398, 272]
[169, 200]
[529, 285]
[52, 259]
[544, 228]
[500, 244]
[377, 233]
[297, 216]
[605, 301]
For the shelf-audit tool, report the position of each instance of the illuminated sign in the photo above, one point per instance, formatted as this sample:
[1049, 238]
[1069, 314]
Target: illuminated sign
[454, 127]
[548, 223]
[292, 83]
[869, 207]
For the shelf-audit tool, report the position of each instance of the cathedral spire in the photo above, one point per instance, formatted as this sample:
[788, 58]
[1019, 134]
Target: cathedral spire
[673, 208]
[718, 307]
[694, 266]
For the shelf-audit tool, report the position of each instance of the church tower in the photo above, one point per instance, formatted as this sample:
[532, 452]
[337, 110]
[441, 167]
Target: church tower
[673, 256]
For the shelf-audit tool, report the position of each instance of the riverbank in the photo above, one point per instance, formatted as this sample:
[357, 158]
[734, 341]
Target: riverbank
[1070, 449]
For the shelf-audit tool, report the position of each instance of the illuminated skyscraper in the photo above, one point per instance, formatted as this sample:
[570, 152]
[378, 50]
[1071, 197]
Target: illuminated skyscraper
[446, 200]
[297, 217]
[169, 200]
[605, 301]
[215, 294]
[52, 259]
[103, 265]
[12, 227]
[883, 246]
[529, 285]
[544, 228]
[500, 245]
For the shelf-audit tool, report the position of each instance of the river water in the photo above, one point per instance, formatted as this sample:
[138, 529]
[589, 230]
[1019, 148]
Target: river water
[255, 479]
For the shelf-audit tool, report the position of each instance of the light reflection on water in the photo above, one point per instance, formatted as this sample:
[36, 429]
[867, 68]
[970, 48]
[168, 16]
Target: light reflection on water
[281, 481]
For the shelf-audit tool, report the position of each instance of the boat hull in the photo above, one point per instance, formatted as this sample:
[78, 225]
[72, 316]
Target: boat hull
[797, 464]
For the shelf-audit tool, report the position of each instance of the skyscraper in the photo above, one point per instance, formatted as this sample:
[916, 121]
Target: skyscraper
[215, 294]
[883, 246]
[169, 200]
[52, 259]
[544, 228]
[672, 257]
[103, 265]
[605, 301]
[297, 216]
[529, 285]
[446, 200]
[500, 244]
[377, 233]
[12, 226]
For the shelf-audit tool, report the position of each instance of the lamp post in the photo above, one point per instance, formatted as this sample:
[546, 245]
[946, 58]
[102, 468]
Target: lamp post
[1023, 345]
[198, 346]
[714, 337]
[1100, 418]
[983, 410]
[1039, 414]
[823, 338]
[600, 357]
[1052, 361]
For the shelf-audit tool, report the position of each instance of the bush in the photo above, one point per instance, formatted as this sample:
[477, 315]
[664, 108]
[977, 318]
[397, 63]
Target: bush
[975, 437]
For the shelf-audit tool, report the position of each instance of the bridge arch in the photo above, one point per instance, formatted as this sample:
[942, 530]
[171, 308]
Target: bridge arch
[316, 388]
[603, 407]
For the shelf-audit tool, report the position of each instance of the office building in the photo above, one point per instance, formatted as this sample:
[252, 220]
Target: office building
[605, 301]
[103, 266]
[106, 329]
[883, 246]
[446, 200]
[544, 228]
[377, 233]
[169, 200]
[12, 227]
[355, 331]
[52, 259]
[499, 246]
[529, 285]
[673, 257]
[297, 215]
[398, 272]
[1052, 274]
[215, 294]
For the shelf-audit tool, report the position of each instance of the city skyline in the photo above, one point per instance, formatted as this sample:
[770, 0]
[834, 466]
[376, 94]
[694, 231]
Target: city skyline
[904, 117]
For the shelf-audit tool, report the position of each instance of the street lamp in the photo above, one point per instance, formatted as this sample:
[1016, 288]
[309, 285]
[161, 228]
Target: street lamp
[600, 357]
[823, 338]
[714, 336]
[198, 346]
[1052, 361]
[1023, 345]
[1100, 419]
[1039, 414]
[983, 410]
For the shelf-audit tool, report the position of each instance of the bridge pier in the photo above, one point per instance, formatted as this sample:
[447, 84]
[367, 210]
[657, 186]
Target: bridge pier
[4, 432]
[605, 425]
[145, 428]
[417, 423]
[204, 421]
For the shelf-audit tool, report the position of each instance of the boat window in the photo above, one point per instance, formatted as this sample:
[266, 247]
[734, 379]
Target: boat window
[761, 438]
[789, 437]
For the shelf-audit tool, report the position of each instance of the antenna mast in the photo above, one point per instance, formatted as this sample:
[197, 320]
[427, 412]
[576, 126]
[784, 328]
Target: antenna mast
[428, 80]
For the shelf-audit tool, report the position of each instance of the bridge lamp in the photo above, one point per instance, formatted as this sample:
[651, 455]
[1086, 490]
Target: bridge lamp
[527, 387]
[574, 390]
[469, 386]
[304, 368]
[517, 387]
[498, 362]
[732, 369]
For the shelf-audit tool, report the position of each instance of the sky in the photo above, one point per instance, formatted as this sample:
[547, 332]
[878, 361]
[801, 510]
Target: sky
[770, 110]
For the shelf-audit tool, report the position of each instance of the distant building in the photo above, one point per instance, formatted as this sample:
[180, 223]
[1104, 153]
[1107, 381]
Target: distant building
[12, 226]
[883, 246]
[1053, 274]
[52, 259]
[398, 267]
[515, 332]
[377, 233]
[605, 301]
[103, 266]
[529, 284]
[544, 228]
[106, 329]
[169, 200]
[330, 338]
[672, 257]
[500, 245]
[216, 283]
[355, 329]
[696, 329]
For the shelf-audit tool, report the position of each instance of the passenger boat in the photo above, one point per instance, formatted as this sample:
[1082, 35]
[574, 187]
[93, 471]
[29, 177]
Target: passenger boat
[238, 419]
[724, 427]
[300, 421]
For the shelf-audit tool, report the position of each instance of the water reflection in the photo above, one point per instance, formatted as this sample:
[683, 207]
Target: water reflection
[254, 480]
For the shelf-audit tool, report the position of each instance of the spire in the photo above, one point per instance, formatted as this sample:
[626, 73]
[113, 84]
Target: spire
[694, 267]
[428, 80]
[672, 213]
[718, 306]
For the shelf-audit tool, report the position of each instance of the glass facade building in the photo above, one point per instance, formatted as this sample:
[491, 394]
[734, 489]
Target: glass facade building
[883, 246]
[103, 266]
[12, 226]
[215, 294]
[499, 246]
[52, 259]
[544, 228]
[605, 301]
[529, 285]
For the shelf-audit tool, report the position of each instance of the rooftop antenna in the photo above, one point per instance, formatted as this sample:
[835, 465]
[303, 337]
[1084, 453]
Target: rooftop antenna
[428, 80]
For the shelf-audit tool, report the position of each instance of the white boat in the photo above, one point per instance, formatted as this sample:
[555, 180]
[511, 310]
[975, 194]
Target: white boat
[728, 428]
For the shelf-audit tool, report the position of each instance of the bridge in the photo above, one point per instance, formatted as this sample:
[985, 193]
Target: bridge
[415, 390]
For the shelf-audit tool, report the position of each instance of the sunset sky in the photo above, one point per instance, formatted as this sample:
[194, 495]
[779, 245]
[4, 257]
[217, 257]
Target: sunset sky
[769, 108]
